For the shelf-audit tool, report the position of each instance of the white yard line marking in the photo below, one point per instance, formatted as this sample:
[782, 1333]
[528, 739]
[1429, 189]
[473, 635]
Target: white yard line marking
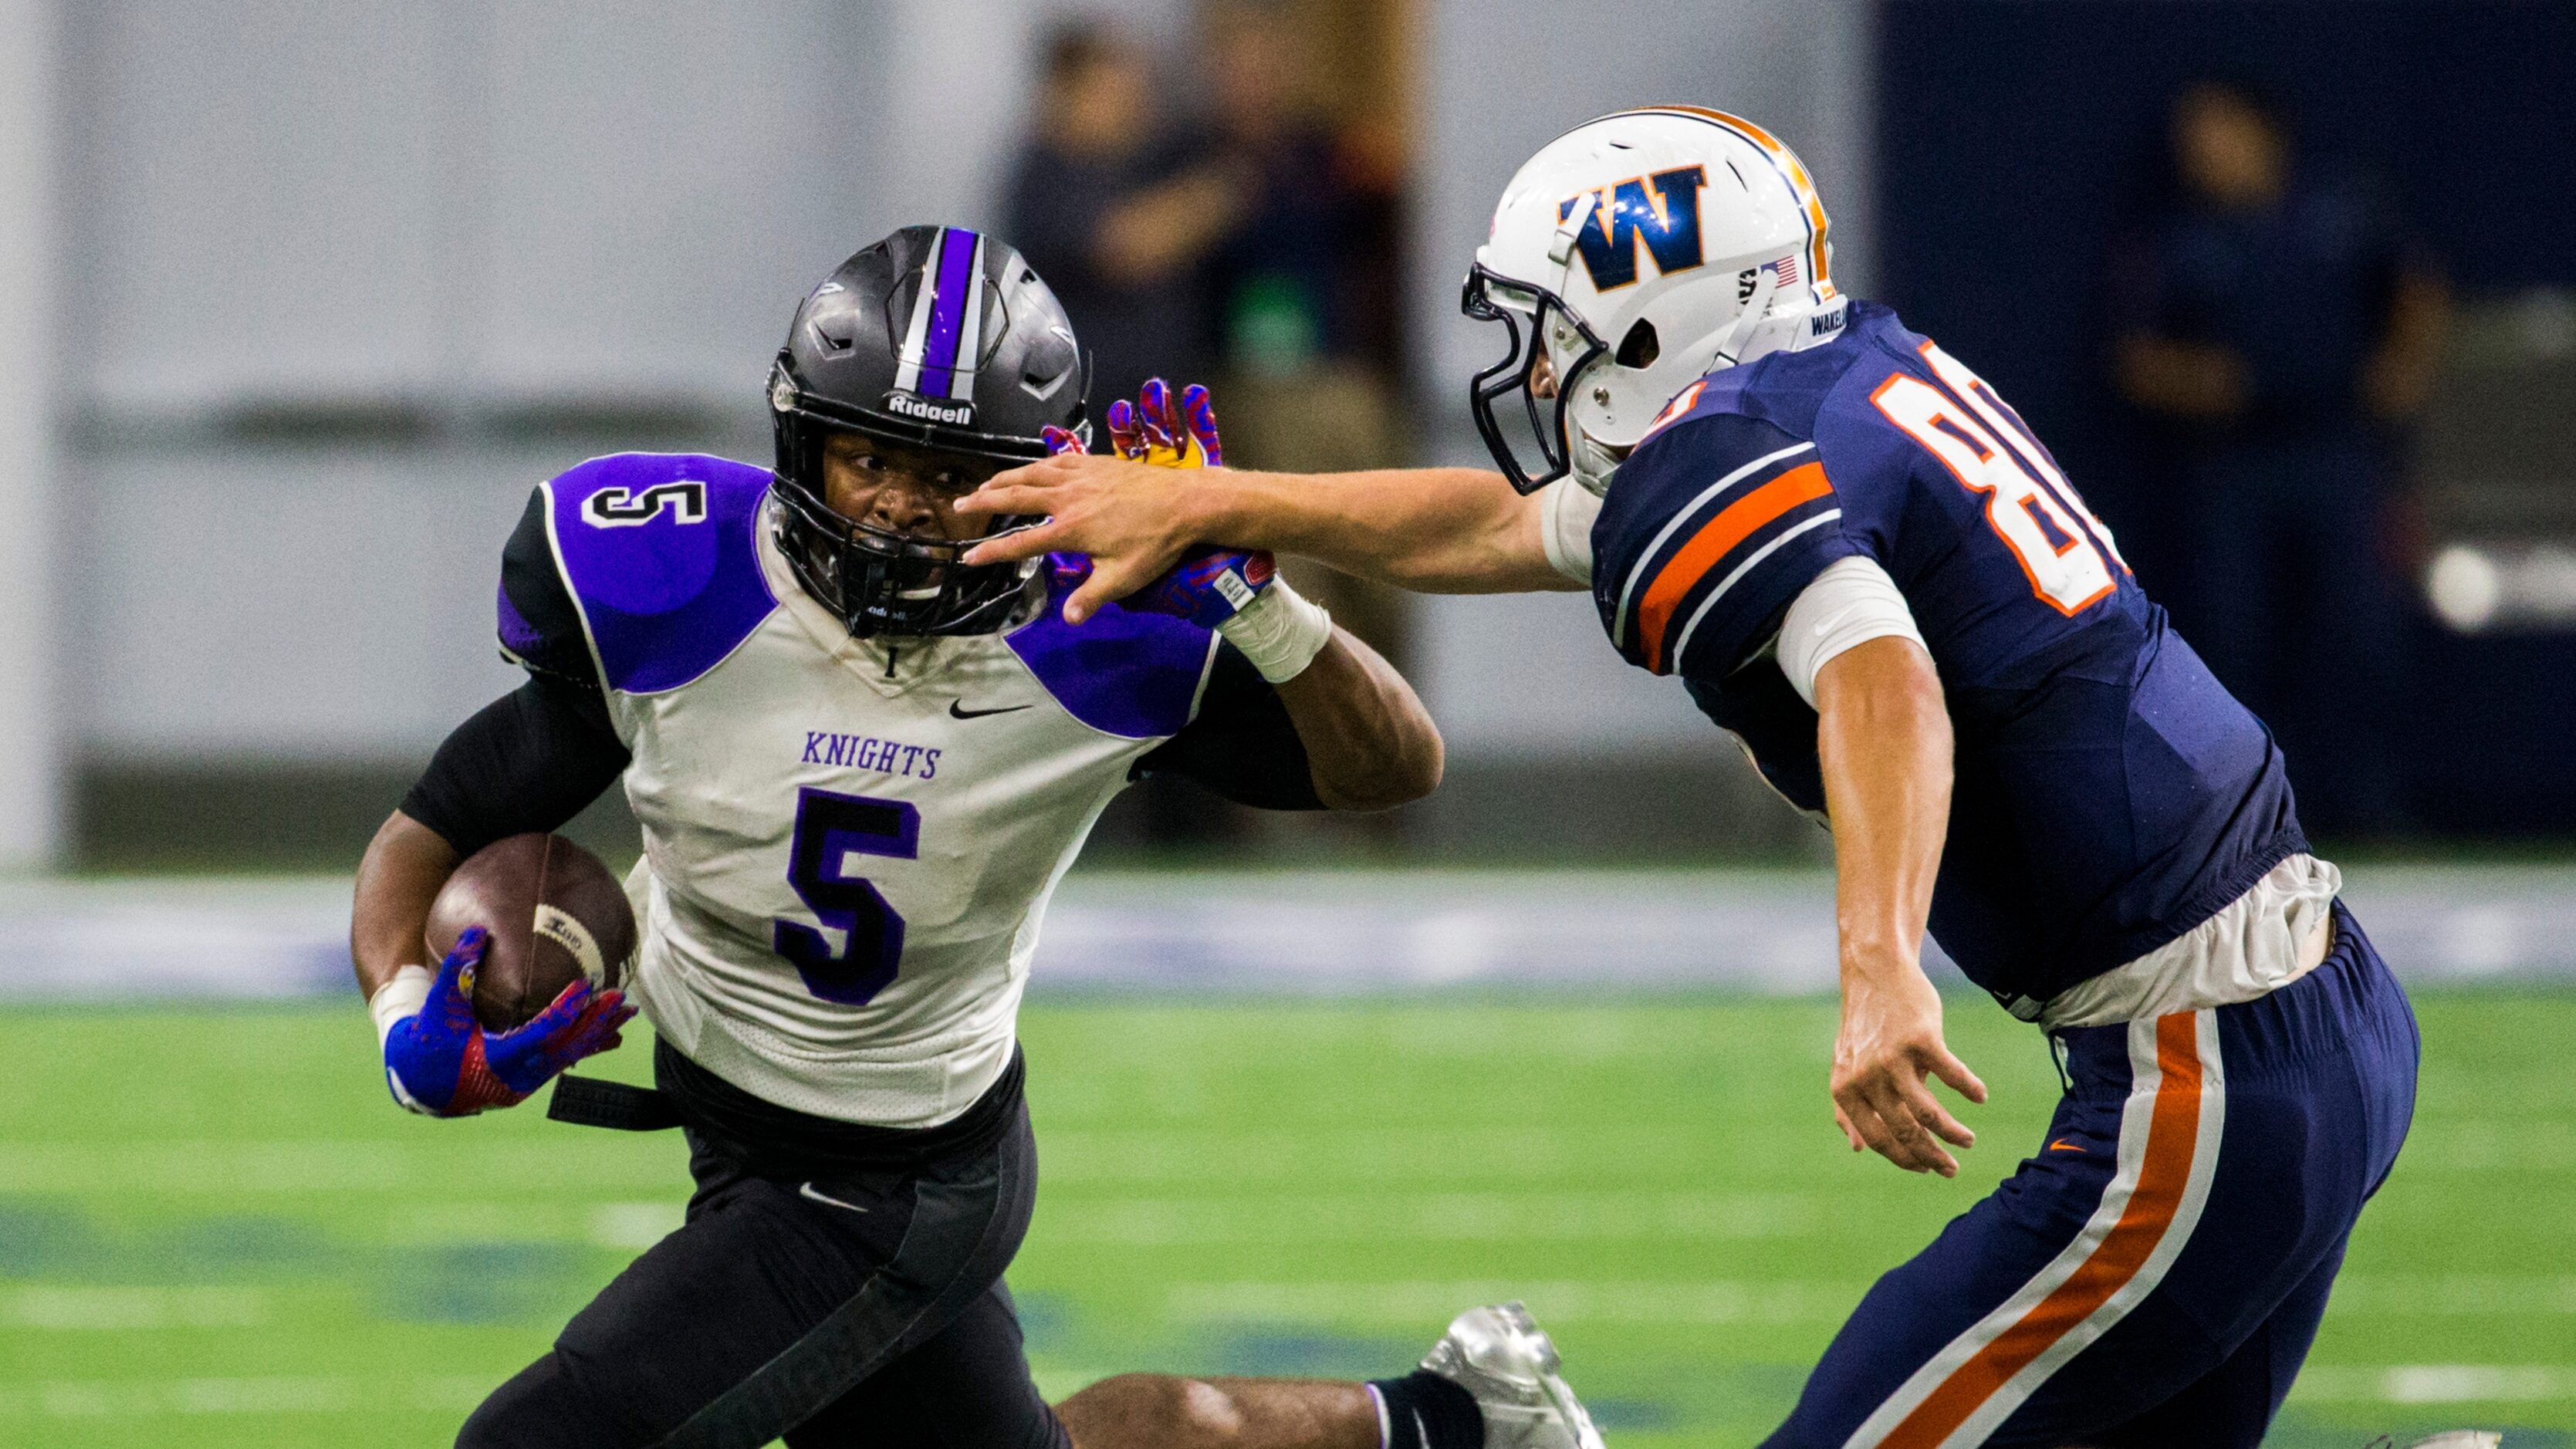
[73, 1309]
[2438, 1384]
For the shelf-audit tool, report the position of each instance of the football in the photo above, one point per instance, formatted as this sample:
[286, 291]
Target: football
[555, 915]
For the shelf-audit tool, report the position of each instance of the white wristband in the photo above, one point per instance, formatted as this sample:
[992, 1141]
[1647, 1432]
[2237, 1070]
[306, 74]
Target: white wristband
[1280, 631]
[398, 1000]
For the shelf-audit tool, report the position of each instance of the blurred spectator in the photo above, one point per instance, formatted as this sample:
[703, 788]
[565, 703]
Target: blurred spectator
[1307, 282]
[1308, 285]
[2276, 326]
[1120, 219]
[1255, 247]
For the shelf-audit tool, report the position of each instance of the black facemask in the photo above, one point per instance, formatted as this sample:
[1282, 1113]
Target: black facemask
[1533, 449]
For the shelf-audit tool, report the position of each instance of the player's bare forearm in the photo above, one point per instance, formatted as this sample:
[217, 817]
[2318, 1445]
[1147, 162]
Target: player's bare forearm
[1433, 530]
[1883, 738]
[1370, 745]
[400, 876]
[1440, 530]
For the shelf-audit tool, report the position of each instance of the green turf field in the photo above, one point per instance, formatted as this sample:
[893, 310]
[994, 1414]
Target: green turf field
[215, 1230]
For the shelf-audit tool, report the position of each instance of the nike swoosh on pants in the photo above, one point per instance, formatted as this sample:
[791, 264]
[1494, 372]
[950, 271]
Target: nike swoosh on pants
[808, 1192]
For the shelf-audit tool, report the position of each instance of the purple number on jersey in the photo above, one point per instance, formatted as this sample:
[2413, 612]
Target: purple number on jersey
[831, 827]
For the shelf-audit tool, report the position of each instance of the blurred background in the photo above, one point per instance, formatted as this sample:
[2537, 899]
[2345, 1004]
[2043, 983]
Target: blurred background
[302, 298]
[298, 299]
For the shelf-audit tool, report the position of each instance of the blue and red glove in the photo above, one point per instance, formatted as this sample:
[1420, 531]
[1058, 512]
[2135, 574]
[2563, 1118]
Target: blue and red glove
[1211, 585]
[440, 1062]
[1167, 431]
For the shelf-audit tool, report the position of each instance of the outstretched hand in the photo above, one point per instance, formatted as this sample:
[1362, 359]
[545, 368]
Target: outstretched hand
[1889, 1048]
[1126, 511]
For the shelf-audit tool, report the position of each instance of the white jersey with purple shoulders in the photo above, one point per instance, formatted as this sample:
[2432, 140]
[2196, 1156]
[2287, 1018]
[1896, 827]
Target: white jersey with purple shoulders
[848, 845]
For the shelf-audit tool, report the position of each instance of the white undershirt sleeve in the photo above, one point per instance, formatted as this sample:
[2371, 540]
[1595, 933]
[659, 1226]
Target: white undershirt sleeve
[1852, 602]
[1566, 512]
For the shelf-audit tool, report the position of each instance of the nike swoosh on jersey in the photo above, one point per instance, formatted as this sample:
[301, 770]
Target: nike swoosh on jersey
[2062, 1145]
[957, 710]
[807, 1192]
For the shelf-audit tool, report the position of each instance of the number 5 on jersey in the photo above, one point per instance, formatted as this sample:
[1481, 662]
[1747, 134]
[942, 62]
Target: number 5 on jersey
[2060, 544]
[830, 828]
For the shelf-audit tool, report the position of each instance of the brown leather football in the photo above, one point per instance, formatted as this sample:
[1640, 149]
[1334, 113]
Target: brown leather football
[555, 914]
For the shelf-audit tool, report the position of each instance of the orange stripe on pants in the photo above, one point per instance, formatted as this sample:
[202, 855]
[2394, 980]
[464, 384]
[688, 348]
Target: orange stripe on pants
[1716, 539]
[2173, 1132]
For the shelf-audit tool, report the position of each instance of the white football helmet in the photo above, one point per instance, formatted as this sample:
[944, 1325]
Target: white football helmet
[1631, 256]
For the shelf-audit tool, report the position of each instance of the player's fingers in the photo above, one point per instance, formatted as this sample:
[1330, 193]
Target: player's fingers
[1087, 600]
[467, 952]
[1955, 1072]
[1161, 418]
[1031, 498]
[1843, 1121]
[1935, 1118]
[1108, 583]
[1873, 1131]
[1125, 437]
[1919, 1153]
[1013, 490]
[453, 992]
[570, 1006]
[1017, 545]
[1201, 412]
[1060, 440]
[452, 982]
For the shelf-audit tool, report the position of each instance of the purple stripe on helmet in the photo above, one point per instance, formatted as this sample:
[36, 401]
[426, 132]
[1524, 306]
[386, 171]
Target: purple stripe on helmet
[953, 289]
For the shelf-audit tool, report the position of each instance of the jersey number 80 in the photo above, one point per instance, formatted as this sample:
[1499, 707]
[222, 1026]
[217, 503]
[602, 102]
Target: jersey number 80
[2029, 503]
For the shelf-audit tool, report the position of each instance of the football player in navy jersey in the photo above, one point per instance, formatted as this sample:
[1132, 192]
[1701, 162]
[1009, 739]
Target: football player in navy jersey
[861, 764]
[1860, 561]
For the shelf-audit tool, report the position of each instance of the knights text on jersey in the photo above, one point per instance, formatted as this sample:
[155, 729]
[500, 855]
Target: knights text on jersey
[847, 848]
[2109, 793]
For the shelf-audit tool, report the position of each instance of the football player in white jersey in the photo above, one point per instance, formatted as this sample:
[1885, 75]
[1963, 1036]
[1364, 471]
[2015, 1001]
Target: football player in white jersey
[861, 765]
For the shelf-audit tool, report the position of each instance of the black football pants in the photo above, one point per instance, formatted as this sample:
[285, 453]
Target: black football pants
[863, 1308]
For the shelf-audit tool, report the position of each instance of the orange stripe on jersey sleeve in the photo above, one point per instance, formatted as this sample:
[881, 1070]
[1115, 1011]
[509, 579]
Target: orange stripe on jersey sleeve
[2173, 1129]
[1709, 547]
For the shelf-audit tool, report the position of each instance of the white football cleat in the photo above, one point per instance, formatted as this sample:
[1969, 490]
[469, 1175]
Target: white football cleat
[1510, 1366]
[2460, 1439]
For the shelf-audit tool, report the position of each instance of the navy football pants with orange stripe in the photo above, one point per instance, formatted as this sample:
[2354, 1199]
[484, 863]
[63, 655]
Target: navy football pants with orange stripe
[2155, 1274]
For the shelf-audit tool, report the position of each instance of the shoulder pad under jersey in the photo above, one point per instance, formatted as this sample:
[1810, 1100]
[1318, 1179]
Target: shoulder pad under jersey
[1121, 672]
[1709, 528]
[660, 552]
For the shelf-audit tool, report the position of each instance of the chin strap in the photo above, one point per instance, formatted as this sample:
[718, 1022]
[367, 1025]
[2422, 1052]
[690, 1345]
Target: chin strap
[1725, 345]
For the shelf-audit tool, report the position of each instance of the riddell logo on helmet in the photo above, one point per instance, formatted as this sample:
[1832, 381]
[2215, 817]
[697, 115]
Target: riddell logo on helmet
[914, 405]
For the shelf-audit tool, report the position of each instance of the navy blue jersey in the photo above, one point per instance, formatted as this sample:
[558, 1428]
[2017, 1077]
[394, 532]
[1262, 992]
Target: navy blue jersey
[2110, 794]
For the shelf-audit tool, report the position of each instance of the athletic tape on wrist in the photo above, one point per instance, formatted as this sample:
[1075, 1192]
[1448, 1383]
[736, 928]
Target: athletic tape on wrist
[1280, 631]
[399, 999]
